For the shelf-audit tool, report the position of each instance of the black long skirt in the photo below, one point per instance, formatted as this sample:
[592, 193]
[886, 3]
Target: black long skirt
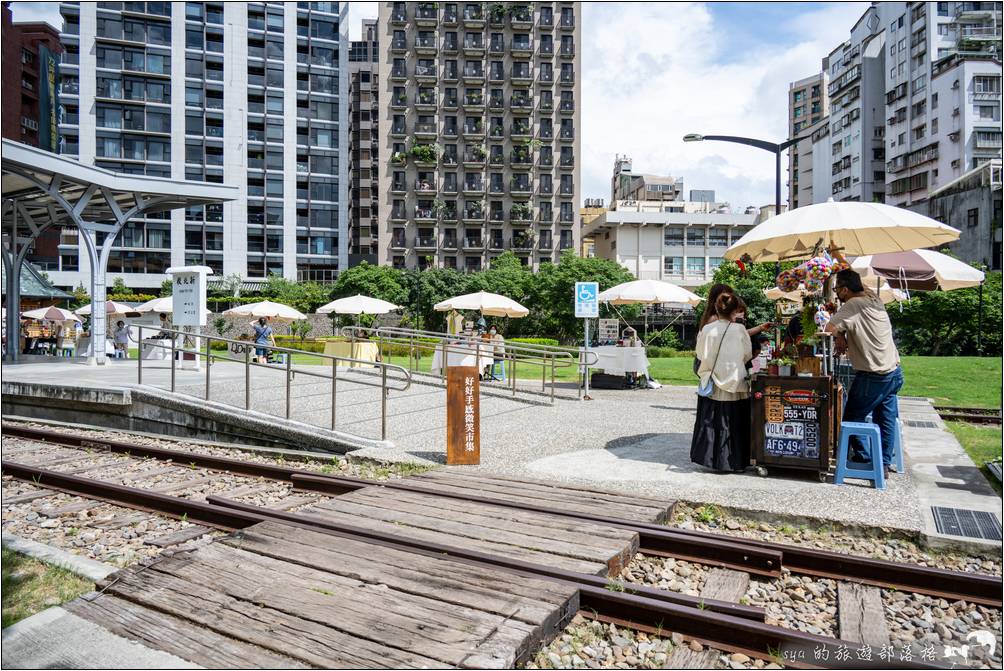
[721, 434]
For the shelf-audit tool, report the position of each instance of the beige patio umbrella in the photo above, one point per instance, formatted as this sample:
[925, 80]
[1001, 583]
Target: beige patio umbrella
[267, 309]
[164, 304]
[358, 305]
[111, 308]
[52, 314]
[648, 291]
[856, 229]
[489, 304]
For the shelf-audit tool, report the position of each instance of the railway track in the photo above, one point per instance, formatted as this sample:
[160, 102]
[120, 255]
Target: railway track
[717, 622]
[970, 415]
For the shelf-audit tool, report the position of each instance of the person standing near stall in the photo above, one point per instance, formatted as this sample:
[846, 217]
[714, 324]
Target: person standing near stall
[862, 329]
[722, 429]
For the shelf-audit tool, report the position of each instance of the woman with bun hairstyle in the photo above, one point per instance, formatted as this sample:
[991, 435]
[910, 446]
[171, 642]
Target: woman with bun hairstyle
[721, 438]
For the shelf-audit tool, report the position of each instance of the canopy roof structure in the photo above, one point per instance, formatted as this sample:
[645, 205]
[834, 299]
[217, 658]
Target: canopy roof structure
[33, 284]
[41, 190]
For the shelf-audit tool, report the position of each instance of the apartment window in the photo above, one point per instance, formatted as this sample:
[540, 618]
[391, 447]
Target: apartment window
[986, 84]
[718, 237]
[672, 265]
[987, 112]
[695, 265]
[695, 236]
[972, 218]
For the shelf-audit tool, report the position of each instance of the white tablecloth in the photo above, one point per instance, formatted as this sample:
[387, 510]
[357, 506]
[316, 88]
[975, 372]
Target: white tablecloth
[615, 360]
[463, 354]
[84, 346]
[158, 349]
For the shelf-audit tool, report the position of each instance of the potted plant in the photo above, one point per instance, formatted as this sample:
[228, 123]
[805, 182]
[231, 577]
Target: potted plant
[399, 158]
[786, 367]
[773, 366]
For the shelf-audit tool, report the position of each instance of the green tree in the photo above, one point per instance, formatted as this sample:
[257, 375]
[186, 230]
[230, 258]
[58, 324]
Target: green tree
[749, 286]
[551, 297]
[303, 296]
[222, 326]
[382, 282]
[166, 288]
[80, 296]
[423, 289]
[301, 328]
[119, 287]
[946, 323]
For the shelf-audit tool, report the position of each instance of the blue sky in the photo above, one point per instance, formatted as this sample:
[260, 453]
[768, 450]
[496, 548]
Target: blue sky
[652, 72]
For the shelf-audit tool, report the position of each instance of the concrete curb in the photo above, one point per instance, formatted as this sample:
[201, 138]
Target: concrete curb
[85, 568]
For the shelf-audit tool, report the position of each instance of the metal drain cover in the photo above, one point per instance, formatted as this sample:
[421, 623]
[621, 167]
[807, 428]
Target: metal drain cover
[920, 423]
[967, 523]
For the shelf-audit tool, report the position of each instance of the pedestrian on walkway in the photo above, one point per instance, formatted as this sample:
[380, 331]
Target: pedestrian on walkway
[721, 439]
[263, 337]
[862, 329]
[120, 338]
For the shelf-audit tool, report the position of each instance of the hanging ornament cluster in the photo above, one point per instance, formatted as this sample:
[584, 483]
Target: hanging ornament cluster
[788, 280]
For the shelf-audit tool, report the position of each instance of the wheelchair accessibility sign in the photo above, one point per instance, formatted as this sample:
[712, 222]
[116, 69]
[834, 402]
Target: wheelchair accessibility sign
[587, 302]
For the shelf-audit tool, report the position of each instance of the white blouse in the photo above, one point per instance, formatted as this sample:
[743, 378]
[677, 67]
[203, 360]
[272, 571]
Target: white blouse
[729, 373]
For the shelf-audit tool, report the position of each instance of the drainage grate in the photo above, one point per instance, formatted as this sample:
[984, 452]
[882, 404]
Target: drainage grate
[967, 523]
[920, 424]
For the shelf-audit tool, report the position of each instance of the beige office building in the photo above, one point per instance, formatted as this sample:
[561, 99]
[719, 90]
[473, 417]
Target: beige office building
[808, 103]
[479, 124]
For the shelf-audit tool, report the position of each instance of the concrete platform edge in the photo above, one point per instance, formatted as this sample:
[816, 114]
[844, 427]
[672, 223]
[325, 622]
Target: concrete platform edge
[82, 566]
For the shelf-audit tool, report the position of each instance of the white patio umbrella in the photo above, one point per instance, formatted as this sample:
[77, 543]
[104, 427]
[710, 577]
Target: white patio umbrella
[266, 309]
[111, 308]
[917, 270]
[855, 228]
[164, 304]
[358, 305]
[489, 304]
[648, 291]
[52, 314]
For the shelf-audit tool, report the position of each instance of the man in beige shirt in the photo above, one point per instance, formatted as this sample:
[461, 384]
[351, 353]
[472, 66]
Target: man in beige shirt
[863, 330]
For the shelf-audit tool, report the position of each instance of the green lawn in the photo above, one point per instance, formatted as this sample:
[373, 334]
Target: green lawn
[30, 586]
[966, 381]
[982, 444]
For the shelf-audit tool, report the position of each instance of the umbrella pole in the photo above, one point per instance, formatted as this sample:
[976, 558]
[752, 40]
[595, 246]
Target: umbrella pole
[979, 327]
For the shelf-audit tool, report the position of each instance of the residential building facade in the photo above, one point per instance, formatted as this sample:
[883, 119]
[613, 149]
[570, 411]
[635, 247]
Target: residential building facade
[857, 112]
[364, 145]
[250, 94]
[628, 185]
[808, 103]
[587, 213]
[480, 110]
[943, 94]
[972, 204]
[684, 248]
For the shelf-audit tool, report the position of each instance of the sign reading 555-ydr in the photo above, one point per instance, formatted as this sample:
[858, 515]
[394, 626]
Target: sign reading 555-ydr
[587, 303]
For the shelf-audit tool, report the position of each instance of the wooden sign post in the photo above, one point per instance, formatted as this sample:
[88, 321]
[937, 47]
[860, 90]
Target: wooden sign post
[463, 416]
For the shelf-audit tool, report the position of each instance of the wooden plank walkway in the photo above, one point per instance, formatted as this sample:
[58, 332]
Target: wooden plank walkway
[287, 597]
[545, 494]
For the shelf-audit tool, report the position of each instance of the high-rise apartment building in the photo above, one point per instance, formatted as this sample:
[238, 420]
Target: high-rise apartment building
[31, 59]
[364, 145]
[808, 103]
[480, 108]
[249, 94]
[857, 112]
[943, 94]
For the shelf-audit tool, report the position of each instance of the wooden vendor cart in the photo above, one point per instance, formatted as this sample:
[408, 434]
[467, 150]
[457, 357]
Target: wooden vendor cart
[796, 422]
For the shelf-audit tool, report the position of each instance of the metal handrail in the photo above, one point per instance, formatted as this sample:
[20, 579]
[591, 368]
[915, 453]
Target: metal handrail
[546, 356]
[290, 372]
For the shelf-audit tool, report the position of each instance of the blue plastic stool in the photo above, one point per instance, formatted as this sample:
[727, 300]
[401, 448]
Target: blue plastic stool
[874, 471]
[498, 366]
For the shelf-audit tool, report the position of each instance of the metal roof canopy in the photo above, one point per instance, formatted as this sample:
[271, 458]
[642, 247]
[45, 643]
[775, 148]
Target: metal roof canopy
[41, 190]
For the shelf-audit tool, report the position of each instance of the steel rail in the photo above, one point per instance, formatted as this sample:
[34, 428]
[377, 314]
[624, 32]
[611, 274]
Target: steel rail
[662, 541]
[754, 556]
[222, 513]
[728, 626]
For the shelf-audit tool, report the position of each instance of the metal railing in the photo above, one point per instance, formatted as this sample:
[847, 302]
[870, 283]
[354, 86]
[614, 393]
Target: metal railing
[549, 358]
[176, 343]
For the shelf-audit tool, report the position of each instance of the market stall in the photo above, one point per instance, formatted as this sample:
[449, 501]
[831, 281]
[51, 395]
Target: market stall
[472, 349]
[797, 396]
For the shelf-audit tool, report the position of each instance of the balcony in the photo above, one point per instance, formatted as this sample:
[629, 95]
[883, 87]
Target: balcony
[547, 48]
[474, 101]
[497, 188]
[566, 190]
[567, 163]
[426, 102]
[524, 75]
[545, 244]
[450, 215]
[450, 131]
[398, 130]
[521, 17]
[399, 74]
[425, 130]
[449, 242]
[496, 243]
[398, 186]
[545, 134]
[565, 244]
[566, 135]
[521, 104]
[520, 215]
[425, 73]
[496, 103]
[496, 159]
[425, 214]
[474, 17]
[474, 214]
[567, 107]
[450, 186]
[546, 189]
[425, 242]
[520, 132]
[450, 102]
[567, 51]
[398, 214]
[522, 243]
[545, 107]
[545, 217]
[475, 157]
[398, 242]
[521, 159]
[496, 47]
[451, 45]
[522, 48]
[521, 188]
[474, 188]
[425, 45]
[546, 161]
[450, 74]
[566, 219]
[567, 22]
[426, 14]
[474, 130]
[474, 44]
[545, 77]
[399, 45]
[450, 16]
[425, 186]
[474, 75]
[399, 101]
[399, 17]
[474, 243]
[567, 78]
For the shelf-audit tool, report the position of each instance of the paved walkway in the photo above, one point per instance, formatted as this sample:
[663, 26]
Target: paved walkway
[634, 441]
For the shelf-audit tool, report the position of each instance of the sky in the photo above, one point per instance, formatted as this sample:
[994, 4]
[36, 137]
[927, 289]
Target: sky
[654, 71]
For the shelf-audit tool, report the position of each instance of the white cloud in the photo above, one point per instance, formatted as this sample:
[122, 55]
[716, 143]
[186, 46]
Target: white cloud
[653, 72]
[24, 12]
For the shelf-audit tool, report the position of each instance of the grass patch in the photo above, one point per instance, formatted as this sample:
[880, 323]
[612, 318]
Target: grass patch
[31, 586]
[708, 514]
[967, 381]
[982, 444]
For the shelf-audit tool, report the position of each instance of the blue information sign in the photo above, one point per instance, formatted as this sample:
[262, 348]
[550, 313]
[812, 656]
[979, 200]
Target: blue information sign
[587, 302]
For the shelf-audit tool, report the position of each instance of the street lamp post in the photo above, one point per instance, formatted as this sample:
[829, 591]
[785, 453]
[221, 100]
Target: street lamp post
[772, 147]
